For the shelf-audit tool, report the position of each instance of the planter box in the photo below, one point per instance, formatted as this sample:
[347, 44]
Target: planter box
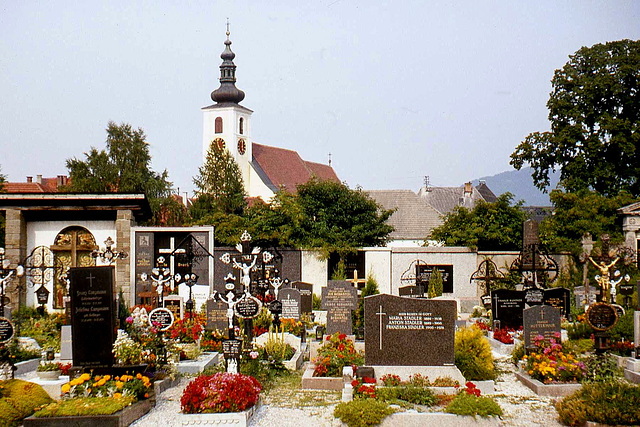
[163, 385]
[309, 382]
[420, 419]
[120, 419]
[541, 389]
[237, 419]
[196, 366]
[500, 347]
[26, 366]
[296, 360]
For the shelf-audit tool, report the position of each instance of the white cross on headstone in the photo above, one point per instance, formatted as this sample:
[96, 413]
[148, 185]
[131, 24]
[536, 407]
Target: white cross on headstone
[380, 313]
[496, 299]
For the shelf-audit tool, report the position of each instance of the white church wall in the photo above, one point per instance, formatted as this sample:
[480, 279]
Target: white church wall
[257, 187]
[314, 270]
[378, 263]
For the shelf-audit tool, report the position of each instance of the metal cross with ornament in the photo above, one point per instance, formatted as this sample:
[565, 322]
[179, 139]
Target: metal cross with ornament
[160, 276]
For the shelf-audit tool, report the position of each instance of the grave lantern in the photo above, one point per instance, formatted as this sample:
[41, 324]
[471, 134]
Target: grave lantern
[319, 332]
[43, 295]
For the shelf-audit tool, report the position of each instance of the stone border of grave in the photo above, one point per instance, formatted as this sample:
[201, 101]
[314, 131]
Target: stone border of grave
[237, 419]
[26, 366]
[165, 384]
[632, 370]
[440, 419]
[621, 361]
[204, 361]
[121, 418]
[296, 360]
[309, 382]
[500, 347]
[541, 389]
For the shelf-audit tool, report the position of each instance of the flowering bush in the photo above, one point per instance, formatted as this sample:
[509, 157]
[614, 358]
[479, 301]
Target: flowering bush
[622, 348]
[390, 380]
[364, 387]
[504, 335]
[472, 389]
[126, 350]
[221, 392]
[292, 326]
[186, 330]
[336, 353]
[483, 326]
[145, 336]
[548, 363]
[107, 386]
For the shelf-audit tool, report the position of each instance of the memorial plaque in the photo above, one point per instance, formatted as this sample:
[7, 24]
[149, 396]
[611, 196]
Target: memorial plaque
[306, 296]
[174, 303]
[541, 320]
[533, 296]
[423, 276]
[486, 301]
[411, 291]
[339, 299]
[409, 332]
[143, 260]
[582, 298]
[199, 294]
[6, 330]
[626, 289]
[216, 315]
[602, 316]
[232, 349]
[559, 298]
[290, 299]
[162, 317]
[506, 307]
[248, 307]
[275, 307]
[93, 316]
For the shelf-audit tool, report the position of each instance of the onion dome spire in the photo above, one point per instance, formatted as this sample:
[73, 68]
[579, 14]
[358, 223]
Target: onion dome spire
[227, 92]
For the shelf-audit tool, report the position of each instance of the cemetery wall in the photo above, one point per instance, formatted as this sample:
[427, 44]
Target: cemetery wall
[314, 270]
[378, 262]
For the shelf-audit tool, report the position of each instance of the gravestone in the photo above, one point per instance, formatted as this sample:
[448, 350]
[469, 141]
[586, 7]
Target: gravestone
[424, 272]
[306, 296]
[65, 343]
[216, 315]
[162, 318]
[602, 316]
[93, 318]
[582, 298]
[232, 349]
[6, 330]
[290, 299]
[409, 331]
[175, 303]
[411, 291]
[559, 298]
[339, 298]
[506, 307]
[533, 296]
[199, 294]
[540, 320]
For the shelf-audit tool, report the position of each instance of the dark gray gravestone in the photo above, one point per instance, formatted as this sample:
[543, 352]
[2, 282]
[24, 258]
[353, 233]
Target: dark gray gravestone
[409, 331]
[290, 299]
[541, 320]
[174, 303]
[92, 316]
[143, 260]
[559, 298]
[339, 298]
[411, 291]
[306, 296]
[506, 307]
[217, 315]
[533, 296]
[581, 296]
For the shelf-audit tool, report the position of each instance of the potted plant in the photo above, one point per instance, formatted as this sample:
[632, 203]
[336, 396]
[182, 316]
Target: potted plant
[48, 371]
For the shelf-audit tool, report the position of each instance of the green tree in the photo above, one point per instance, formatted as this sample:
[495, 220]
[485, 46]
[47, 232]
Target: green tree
[124, 167]
[275, 224]
[488, 226]
[594, 110]
[221, 180]
[435, 284]
[578, 213]
[335, 218]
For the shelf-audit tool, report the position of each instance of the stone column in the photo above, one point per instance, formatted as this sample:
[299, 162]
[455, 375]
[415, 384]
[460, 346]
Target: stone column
[630, 228]
[124, 222]
[16, 252]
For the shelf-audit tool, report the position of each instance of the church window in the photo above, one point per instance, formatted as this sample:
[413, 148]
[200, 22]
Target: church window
[72, 247]
[218, 127]
[241, 126]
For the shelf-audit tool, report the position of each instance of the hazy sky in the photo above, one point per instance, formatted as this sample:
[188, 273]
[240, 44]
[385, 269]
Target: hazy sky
[394, 90]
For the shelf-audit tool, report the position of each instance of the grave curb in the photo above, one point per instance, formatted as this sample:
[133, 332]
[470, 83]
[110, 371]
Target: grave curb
[238, 419]
[26, 366]
[420, 419]
[196, 366]
[309, 382]
[165, 384]
[621, 360]
[500, 347]
[553, 390]
[121, 418]
[296, 360]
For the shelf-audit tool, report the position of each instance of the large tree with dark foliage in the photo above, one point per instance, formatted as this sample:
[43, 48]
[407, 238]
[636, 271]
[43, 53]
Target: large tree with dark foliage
[594, 110]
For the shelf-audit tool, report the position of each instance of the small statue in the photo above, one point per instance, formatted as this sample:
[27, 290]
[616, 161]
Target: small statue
[604, 280]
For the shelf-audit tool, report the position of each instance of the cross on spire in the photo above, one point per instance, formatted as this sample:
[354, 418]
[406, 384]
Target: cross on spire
[228, 28]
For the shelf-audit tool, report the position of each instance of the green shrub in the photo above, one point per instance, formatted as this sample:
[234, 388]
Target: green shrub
[579, 346]
[600, 368]
[468, 404]
[317, 302]
[612, 403]
[362, 412]
[19, 400]
[623, 329]
[579, 330]
[408, 393]
[85, 406]
[44, 329]
[473, 355]
[518, 353]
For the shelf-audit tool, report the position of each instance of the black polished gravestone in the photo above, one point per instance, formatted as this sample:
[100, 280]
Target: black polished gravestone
[506, 307]
[411, 291]
[306, 296]
[339, 298]
[290, 299]
[559, 298]
[541, 320]
[408, 331]
[93, 320]
[216, 315]
[6, 330]
[602, 316]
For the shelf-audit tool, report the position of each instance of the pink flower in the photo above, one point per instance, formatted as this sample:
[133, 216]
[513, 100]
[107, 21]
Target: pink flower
[253, 354]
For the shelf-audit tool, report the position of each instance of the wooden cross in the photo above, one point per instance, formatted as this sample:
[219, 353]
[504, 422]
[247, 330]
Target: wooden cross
[380, 313]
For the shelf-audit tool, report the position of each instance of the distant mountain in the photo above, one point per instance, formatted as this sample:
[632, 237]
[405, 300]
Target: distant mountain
[520, 184]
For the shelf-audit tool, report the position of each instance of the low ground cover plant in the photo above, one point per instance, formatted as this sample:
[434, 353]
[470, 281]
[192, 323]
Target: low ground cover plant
[83, 406]
[610, 403]
[362, 412]
[18, 400]
[221, 392]
[336, 353]
[469, 402]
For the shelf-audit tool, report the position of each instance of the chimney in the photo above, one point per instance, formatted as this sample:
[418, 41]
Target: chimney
[61, 180]
[468, 189]
[39, 179]
[29, 179]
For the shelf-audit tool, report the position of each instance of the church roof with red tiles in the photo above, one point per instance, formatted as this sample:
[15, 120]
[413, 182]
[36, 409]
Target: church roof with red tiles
[281, 168]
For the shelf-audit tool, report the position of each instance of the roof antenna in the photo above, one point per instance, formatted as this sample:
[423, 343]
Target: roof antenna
[329, 159]
[426, 183]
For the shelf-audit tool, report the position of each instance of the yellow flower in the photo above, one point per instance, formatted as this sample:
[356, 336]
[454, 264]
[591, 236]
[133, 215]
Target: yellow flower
[85, 377]
[139, 376]
[65, 388]
[106, 377]
[119, 384]
[117, 395]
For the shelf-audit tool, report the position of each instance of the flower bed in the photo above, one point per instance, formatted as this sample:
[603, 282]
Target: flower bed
[542, 389]
[309, 382]
[123, 417]
[548, 363]
[336, 353]
[221, 392]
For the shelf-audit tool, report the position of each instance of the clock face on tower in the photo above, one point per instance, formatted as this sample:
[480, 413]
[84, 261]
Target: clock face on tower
[242, 146]
[219, 142]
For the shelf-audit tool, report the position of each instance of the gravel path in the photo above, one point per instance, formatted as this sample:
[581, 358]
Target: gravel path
[521, 407]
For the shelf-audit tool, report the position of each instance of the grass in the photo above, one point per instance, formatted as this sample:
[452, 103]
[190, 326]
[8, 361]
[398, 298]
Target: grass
[286, 393]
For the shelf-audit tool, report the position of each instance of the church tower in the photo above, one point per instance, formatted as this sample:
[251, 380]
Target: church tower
[226, 122]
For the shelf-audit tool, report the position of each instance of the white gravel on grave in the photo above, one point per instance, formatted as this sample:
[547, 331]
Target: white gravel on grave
[521, 406]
